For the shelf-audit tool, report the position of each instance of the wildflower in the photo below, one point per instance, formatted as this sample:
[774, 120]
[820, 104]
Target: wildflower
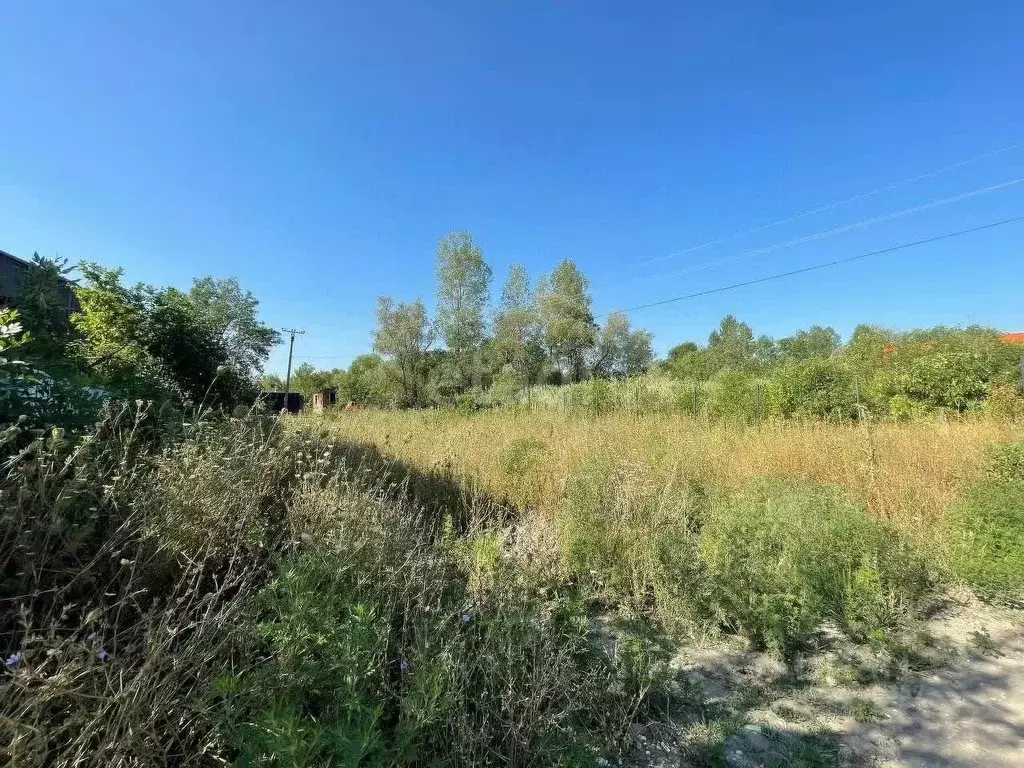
[102, 655]
[13, 660]
[466, 617]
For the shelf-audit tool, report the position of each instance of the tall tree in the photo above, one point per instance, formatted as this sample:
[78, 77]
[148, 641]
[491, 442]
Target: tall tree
[732, 345]
[153, 342]
[463, 280]
[563, 305]
[403, 336]
[620, 350]
[515, 326]
[811, 343]
[231, 315]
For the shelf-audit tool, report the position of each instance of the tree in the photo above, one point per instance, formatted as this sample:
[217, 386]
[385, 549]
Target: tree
[403, 336]
[638, 355]
[42, 305]
[732, 344]
[367, 382]
[463, 280]
[568, 324]
[621, 351]
[153, 342]
[516, 332]
[812, 343]
[231, 316]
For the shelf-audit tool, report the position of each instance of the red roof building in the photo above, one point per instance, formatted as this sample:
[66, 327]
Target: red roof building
[1016, 337]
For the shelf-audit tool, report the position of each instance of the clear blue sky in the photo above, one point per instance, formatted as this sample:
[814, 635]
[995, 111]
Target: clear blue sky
[316, 150]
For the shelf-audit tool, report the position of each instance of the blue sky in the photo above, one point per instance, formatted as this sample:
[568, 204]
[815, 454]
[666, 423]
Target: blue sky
[317, 150]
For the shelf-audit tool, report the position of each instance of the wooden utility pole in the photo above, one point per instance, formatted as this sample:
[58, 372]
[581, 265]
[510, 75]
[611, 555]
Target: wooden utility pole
[288, 376]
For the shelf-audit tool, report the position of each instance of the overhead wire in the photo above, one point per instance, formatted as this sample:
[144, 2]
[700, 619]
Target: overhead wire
[835, 204]
[840, 230]
[814, 267]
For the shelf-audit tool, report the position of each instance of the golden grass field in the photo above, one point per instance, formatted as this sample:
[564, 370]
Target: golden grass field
[905, 473]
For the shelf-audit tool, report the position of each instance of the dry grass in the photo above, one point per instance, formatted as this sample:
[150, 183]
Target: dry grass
[907, 474]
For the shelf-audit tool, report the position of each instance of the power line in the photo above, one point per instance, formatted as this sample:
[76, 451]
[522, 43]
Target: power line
[835, 204]
[820, 234]
[814, 267]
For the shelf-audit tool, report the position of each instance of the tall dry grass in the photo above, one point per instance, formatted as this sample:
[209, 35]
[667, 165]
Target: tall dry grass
[905, 473]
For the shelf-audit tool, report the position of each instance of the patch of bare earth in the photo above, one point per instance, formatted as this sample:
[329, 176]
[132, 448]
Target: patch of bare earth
[951, 694]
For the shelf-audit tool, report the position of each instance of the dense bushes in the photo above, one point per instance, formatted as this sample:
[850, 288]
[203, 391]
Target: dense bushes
[224, 591]
[987, 529]
[772, 561]
[782, 560]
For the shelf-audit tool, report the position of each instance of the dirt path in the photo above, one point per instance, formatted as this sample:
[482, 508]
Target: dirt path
[951, 697]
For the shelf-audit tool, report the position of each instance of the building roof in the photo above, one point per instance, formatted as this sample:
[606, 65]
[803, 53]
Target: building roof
[1014, 337]
[12, 275]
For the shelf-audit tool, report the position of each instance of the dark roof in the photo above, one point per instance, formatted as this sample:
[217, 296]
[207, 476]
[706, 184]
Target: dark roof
[12, 274]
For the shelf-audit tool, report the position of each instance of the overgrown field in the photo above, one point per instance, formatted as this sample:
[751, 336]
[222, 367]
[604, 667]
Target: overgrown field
[906, 474]
[392, 589]
[769, 529]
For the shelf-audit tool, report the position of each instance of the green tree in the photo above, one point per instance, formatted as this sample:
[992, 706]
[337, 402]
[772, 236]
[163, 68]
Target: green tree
[230, 313]
[403, 336]
[368, 382]
[731, 346]
[42, 305]
[621, 351]
[815, 342]
[152, 342]
[463, 280]
[566, 318]
[516, 331]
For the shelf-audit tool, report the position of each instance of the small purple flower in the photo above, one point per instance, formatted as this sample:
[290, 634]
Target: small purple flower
[466, 617]
[404, 665]
[102, 655]
[13, 660]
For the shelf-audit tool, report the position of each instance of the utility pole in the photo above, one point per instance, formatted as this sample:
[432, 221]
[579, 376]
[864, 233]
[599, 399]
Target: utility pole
[288, 376]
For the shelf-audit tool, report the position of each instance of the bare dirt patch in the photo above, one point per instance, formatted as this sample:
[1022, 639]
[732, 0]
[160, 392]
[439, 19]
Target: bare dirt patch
[950, 695]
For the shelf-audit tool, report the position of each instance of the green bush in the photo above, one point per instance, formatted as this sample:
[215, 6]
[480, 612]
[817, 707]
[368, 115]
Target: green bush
[955, 380]
[634, 541]
[821, 388]
[780, 560]
[733, 396]
[227, 591]
[987, 529]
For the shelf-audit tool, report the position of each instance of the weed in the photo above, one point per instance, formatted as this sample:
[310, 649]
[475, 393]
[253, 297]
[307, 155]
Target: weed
[865, 711]
[982, 640]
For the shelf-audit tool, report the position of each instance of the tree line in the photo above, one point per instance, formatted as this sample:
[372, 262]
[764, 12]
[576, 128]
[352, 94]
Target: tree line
[542, 332]
[205, 345]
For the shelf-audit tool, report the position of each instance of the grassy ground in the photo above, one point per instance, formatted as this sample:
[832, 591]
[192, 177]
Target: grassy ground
[390, 589]
[905, 474]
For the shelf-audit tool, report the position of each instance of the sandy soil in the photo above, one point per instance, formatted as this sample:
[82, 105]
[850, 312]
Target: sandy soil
[951, 696]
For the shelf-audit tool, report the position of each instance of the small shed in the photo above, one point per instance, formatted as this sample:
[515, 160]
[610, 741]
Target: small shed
[279, 401]
[325, 398]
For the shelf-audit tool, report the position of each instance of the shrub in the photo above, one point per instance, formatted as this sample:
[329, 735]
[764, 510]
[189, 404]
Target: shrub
[226, 591]
[821, 388]
[782, 559]
[955, 380]
[634, 540]
[1005, 401]
[987, 529]
[733, 396]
